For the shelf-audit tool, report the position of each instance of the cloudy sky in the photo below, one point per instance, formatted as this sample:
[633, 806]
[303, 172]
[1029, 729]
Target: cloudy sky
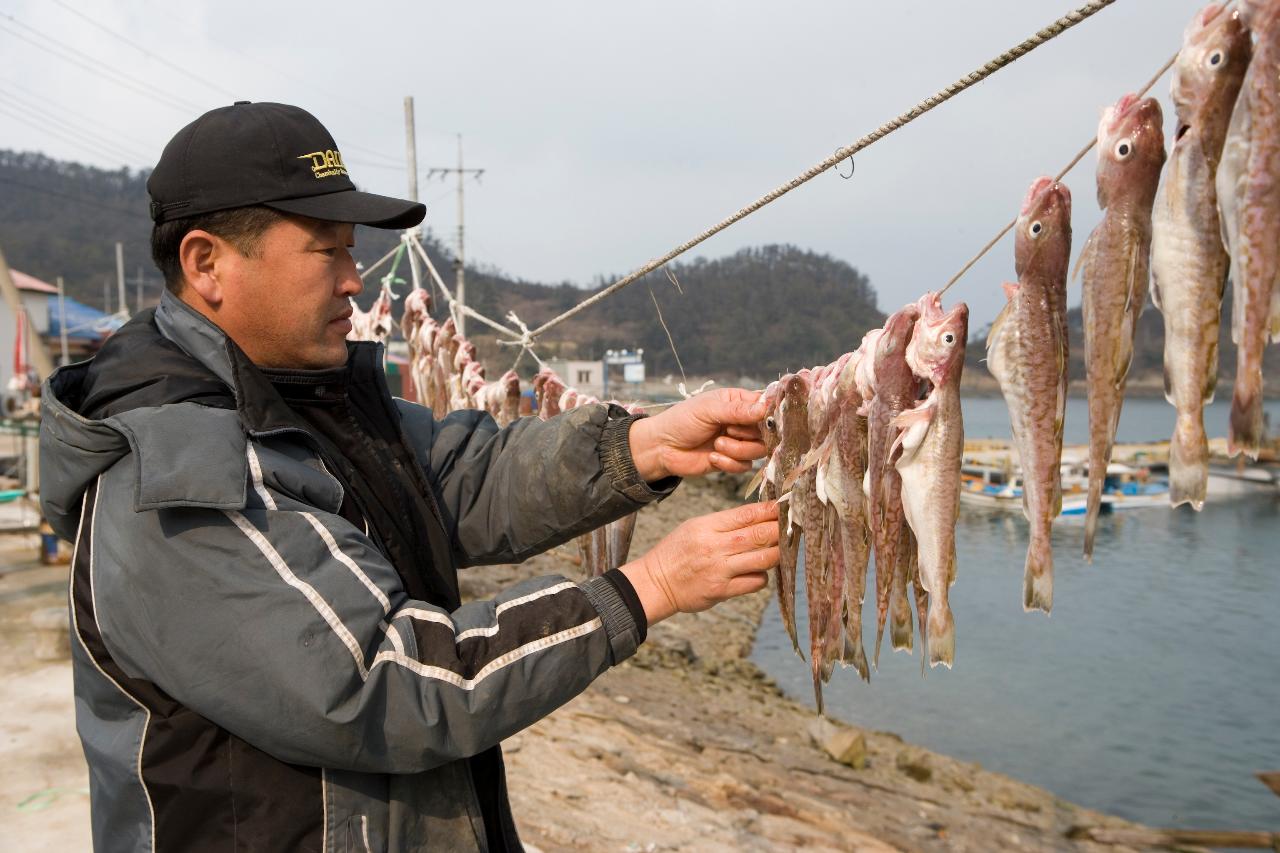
[611, 132]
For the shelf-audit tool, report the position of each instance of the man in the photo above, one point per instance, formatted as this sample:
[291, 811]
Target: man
[270, 652]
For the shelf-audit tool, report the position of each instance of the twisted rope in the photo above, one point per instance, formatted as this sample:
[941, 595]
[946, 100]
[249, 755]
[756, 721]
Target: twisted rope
[1067, 168]
[1055, 29]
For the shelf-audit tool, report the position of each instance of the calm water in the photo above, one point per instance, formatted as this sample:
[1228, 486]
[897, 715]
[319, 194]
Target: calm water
[1140, 419]
[1152, 693]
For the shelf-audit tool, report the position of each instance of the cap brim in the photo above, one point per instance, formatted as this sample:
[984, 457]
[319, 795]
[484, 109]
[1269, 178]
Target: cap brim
[360, 208]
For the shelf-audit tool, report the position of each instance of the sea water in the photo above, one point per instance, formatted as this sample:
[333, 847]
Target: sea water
[1152, 692]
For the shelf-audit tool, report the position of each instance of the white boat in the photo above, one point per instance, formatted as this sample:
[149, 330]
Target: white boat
[1230, 481]
[1001, 488]
[1134, 488]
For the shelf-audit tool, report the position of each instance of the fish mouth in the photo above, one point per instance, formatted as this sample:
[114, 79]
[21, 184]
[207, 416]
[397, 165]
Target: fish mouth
[1117, 112]
[1038, 186]
[1209, 13]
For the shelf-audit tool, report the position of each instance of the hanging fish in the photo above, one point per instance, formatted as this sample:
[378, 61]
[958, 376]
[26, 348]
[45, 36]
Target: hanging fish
[1188, 260]
[1248, 185]
[894, 389]
[1027, 354]
[1114, 265]
[927, 454]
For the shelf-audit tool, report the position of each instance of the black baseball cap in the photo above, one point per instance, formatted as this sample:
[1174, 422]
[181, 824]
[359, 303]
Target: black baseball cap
[266, 154]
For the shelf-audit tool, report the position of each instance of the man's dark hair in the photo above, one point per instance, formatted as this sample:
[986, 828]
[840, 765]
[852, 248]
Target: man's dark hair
[242, 227]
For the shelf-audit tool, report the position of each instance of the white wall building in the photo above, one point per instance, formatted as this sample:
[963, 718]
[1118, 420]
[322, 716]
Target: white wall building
[586, 376]
[38, 299]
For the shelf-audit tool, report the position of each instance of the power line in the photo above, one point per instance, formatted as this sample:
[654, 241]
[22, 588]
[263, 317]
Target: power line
[145, 51]
[79, 200]
[42, 115]
[77, 141]
[69, 115]
[88, 62]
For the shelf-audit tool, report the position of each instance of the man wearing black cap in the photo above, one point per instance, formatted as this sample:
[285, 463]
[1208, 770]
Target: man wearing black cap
[270, 651]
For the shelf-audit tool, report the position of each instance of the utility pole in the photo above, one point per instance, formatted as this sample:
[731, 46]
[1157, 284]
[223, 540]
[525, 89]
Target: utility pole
[411, 147]
[459, 264]
[120, 276]
[62, 320]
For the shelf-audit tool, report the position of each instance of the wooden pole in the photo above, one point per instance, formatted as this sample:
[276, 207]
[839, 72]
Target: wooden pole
[62, 321]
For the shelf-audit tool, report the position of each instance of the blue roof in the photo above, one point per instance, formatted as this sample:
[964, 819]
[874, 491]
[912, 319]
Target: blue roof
[83, 323]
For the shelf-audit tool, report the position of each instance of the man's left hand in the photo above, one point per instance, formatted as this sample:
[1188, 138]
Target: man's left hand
[712, 431]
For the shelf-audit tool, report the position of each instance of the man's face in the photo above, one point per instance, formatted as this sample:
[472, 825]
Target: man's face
[287, 307]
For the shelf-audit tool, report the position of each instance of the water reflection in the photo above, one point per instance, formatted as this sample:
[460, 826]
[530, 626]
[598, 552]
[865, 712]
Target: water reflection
[1152, 692]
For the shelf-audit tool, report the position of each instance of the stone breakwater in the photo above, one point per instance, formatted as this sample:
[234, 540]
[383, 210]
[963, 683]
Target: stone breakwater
[690, 746]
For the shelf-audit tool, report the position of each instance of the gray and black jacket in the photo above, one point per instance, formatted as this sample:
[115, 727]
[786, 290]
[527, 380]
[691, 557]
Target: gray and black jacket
[269, 650]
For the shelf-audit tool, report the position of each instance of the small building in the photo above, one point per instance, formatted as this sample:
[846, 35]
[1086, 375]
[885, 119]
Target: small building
[87, 328]
[586, 376]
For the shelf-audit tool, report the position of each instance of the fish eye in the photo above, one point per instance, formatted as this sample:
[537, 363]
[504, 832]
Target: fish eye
[1034, 231]
[1215, 59]
[770, 423]
[948, 338]
[1124, 148]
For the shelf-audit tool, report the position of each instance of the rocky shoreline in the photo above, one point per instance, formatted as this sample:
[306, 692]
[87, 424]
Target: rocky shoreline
[689, 745]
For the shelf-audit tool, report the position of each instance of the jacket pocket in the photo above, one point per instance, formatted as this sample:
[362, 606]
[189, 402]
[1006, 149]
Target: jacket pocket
[358, 835]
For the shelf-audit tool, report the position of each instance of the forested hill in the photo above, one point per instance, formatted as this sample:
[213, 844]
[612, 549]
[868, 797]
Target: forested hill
[753, 313]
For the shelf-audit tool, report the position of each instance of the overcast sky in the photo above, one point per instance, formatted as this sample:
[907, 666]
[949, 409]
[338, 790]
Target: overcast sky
[611, 133]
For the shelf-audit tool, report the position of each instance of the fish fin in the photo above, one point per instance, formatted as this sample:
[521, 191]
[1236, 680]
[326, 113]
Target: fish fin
[914, 424]
[998, 325]
[756, 482]
[1086, 254]
[1037, 577]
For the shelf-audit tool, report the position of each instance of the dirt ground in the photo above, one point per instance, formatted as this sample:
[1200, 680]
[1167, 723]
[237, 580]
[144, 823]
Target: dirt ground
[688, 746]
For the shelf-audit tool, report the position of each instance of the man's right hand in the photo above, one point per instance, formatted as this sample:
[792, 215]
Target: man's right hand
[707, 560]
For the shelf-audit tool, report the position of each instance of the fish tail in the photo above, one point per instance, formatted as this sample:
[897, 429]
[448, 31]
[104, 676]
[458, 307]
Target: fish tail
[1099, 455]
[1037, 579]
[1188, 461]
[942, 633]
[855, 655]
[787, 606]
[900, 627]
[1245, 435]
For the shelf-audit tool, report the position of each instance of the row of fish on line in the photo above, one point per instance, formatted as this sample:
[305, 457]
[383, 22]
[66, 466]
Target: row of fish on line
[447, 376]
[865, 453]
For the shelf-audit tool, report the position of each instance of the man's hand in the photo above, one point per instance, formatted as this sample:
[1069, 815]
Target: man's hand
[715, 430]
[707, 560]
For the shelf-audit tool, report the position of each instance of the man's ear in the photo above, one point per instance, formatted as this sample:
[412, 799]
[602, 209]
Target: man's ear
[199, 254]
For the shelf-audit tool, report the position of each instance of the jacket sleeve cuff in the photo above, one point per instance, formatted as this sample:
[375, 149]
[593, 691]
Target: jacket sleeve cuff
[623, 618]
[615, 458]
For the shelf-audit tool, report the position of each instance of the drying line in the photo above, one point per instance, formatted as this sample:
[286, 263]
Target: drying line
[1065, 169]
[1055, 29]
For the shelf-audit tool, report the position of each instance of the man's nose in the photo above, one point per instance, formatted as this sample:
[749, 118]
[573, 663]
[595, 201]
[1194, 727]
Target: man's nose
[349, 282]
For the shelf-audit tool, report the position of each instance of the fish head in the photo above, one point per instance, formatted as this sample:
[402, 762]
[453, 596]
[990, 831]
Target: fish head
[770, 426]
[1216, 49]
[793, 416]
[1130, 150]
[936, 350]
[1042, 234]
[893, 338]
[891, 372]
